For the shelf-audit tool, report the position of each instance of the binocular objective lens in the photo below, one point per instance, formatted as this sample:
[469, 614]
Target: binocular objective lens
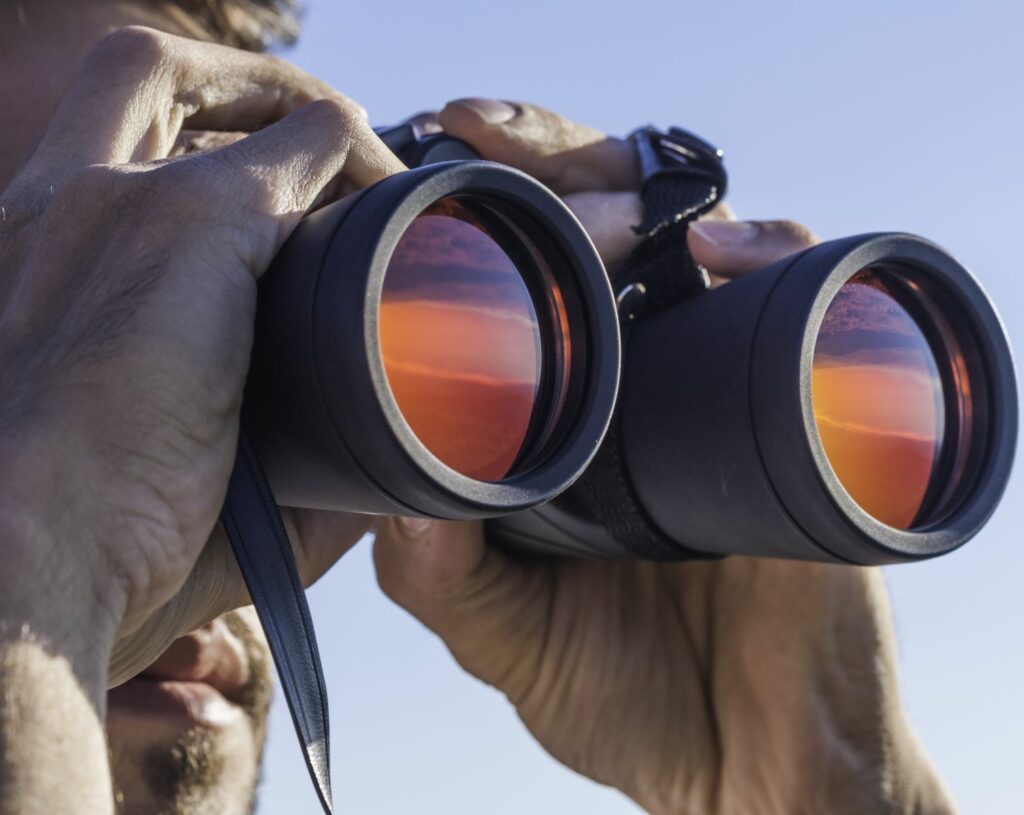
[460, 340]
[882, 410]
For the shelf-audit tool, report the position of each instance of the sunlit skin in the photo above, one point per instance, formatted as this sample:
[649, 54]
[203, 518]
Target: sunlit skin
[877, 401]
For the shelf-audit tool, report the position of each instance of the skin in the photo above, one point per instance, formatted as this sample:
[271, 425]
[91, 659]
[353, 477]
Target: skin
[124, 343]
[125, 321]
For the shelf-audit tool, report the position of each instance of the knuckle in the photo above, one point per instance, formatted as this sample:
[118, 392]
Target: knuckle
[794, 232]
[132, 47]
[171, 188]
[103, 199]
[94, 183]
[121, 194]
[333, 114]
[277, 64]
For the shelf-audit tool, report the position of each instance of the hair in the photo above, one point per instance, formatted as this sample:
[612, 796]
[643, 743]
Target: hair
[254, 25]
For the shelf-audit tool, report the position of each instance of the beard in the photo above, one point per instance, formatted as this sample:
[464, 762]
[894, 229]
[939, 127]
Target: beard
[169, 766]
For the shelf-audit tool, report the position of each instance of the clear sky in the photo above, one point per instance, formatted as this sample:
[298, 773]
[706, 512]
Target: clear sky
[849, 117]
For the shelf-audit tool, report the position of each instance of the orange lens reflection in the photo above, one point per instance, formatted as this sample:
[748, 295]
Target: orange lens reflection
[460, 342]
[878, 400]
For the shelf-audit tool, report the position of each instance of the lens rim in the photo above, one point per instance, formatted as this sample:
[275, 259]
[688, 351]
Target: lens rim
[354, 382]
[783, 412]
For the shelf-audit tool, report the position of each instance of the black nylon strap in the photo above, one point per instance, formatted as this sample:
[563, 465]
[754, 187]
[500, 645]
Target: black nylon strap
[683, 178]
[659, 272]
[260, 542]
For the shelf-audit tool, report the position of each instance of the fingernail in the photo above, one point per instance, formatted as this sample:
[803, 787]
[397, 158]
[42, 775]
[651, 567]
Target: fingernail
[492, 111]
[414, 527]
[726, 233]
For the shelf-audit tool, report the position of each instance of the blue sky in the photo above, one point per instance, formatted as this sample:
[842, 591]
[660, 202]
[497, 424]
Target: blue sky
[848, 117]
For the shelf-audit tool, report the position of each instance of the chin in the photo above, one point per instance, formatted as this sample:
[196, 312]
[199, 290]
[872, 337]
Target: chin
[186, 735]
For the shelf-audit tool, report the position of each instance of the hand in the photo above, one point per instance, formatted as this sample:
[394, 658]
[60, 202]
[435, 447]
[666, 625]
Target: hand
[735, 686]
[597, 175]
[127, 296]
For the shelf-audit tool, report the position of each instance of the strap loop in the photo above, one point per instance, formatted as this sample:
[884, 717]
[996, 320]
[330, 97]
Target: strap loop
[683, 178]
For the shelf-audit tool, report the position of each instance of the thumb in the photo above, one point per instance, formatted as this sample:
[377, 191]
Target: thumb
[489, 609]
[732, 248]
[567, 156]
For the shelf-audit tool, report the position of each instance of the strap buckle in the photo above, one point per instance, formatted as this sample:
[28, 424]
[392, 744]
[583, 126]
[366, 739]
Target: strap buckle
[682, 176]
[678, 151]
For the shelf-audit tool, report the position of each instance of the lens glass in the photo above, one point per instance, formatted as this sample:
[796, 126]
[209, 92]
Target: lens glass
[460, 339]
[878, 400]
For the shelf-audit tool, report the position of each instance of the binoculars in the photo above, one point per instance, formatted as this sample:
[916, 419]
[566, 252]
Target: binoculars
[446, 343]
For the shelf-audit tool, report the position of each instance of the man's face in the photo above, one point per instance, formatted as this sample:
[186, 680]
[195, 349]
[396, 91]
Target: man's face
[186, 736]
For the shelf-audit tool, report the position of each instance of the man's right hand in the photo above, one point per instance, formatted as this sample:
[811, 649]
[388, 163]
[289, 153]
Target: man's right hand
[735, 686]
[127, 298]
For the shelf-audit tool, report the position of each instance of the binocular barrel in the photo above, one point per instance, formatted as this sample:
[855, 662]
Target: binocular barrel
[853, 403]
[443, 343]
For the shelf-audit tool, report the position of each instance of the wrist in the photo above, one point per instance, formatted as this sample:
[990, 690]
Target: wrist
[50, 598]
[806, 715]
[915, 785]
[53, 751]
[902, 783]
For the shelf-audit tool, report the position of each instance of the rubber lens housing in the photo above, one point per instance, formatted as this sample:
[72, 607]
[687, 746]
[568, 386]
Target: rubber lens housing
[853, 403]
[443, 343]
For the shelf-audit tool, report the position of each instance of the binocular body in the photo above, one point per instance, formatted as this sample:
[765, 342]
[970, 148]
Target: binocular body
[746, 427]
[443, 343]
[446, 344]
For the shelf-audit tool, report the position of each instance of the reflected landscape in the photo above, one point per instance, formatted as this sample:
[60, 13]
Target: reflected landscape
[877, 400]
[460, 342]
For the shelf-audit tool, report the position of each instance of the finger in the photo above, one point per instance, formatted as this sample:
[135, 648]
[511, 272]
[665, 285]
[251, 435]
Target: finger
[567, 156]
[319, 539]
[281, 171]
[728, 249]
[490, 610]
[607, 218]
[199, 141]
[424, 124]
[215, 585]
[140, 87]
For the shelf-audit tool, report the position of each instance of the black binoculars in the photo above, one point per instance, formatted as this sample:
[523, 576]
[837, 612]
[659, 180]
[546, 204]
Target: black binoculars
[446, 343]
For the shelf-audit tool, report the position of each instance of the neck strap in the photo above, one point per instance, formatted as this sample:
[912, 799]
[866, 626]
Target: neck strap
[264, 553]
